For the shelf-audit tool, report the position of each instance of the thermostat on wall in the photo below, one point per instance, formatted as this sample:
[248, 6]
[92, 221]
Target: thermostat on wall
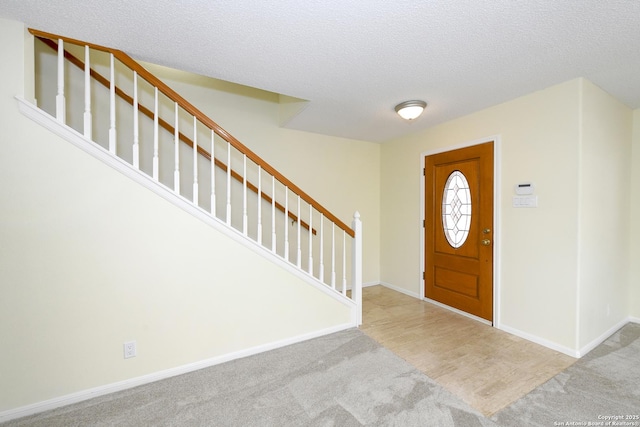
[524, 188]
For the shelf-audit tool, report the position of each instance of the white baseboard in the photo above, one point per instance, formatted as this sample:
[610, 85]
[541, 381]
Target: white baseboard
[602, 338]
[529, 337]
[401, 290]
[544, 342]
[566, 350]
[160, 375]
[364, 285]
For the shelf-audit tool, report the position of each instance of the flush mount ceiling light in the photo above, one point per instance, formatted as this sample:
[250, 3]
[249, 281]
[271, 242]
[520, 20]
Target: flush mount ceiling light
[410, 110]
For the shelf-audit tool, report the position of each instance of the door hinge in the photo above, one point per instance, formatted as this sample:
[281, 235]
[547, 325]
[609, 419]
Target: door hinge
[424, 172]
[423, 223]
[424, 276]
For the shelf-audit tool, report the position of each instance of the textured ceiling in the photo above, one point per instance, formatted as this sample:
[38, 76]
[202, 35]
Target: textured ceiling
[354, 60]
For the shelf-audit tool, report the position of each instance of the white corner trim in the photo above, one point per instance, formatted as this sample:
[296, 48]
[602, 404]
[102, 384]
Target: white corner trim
[634, 319]
[95, 150]
[542, 341]
[401, 290]
[160, 375]
[602, 338]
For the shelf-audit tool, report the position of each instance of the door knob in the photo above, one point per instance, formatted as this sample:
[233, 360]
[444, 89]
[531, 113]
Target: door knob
[486, 242]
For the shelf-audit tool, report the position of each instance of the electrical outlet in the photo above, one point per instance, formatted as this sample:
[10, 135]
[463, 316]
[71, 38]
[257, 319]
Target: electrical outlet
[130, 349]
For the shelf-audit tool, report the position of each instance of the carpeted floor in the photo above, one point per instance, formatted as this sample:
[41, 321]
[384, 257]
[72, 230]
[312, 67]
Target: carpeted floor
[347, 379]
[604, 383]
[344, 379]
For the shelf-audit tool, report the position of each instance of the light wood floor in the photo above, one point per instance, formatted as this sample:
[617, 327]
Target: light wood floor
[486, 367]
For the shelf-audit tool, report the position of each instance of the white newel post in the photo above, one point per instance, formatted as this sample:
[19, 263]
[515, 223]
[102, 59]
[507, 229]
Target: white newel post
[156, 136]
[136, 130]
[87, 93]
[112, 107]
[195, 161]
[299, 250]
[286, 223]
[176, 156]
[321, 266]
[273, 215]
[310, 262]
[344, 262]
[356, 282]
[245, 215]
[333, 255]
[60, 101]
[213, 173]
[228, 183]
[259, 231]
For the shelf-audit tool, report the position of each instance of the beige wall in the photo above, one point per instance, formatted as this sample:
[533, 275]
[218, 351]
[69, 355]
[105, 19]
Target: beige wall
[538, 142]
[88, 262]
[562, 267]
[634, 279]
[605, 176]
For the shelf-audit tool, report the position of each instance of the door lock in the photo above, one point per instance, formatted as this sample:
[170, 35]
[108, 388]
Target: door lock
[486, 231]
[486, 242]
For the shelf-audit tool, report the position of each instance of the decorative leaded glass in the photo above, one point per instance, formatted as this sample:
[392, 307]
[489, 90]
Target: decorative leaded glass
[456, 209]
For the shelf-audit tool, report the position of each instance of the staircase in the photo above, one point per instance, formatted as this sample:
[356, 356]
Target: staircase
[106, 103]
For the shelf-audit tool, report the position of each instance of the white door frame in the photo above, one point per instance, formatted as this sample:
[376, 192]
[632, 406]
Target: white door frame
[497, 234]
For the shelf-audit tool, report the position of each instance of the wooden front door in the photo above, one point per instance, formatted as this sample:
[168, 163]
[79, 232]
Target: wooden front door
[459, 229]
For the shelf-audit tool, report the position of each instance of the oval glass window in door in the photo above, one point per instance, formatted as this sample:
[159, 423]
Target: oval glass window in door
[456, 209]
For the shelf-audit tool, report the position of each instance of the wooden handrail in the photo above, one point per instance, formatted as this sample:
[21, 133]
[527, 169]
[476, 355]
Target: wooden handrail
[165, 125]
[204, 119]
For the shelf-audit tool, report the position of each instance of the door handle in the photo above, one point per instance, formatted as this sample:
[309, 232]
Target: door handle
[486, 242]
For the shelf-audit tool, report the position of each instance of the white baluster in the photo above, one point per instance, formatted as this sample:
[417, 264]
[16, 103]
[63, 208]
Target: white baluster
[176, 139]
[112, 107]
[259, 205]
[213, 173]
[321, 264]
[61, 113]
[344, 262]
[273, 215]
[333, 255]
[228, 183]
[136, 145]
[286, 223]
[299, 252]
[245, 220]
[310, 269]
[87, 93]
[195, 161]
[156, 160]
[356, 266]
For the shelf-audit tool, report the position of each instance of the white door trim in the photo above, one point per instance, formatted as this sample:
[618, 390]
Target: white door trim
[497, 235]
